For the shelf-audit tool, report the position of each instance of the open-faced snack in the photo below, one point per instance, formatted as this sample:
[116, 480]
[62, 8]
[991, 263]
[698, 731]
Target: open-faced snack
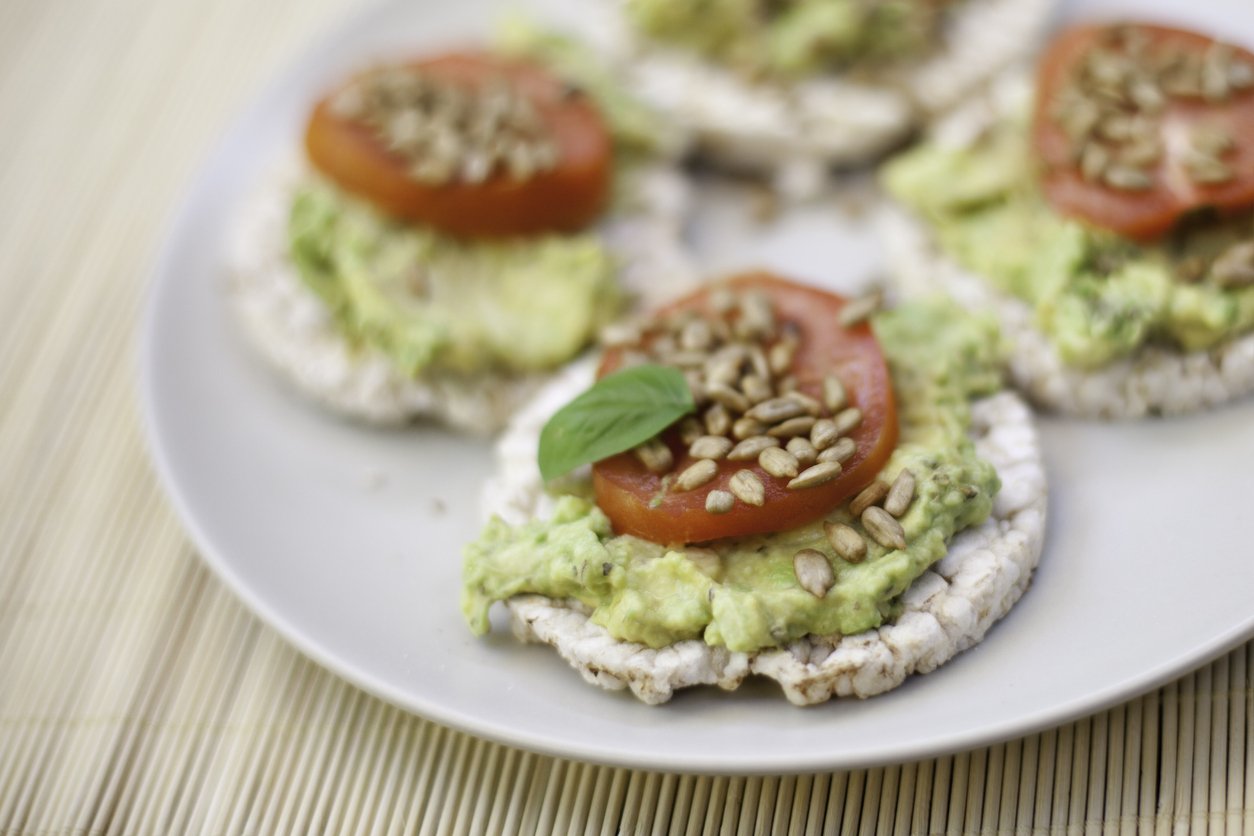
[460, 225]
[838, 507]
[1107, 217]
[791, 88]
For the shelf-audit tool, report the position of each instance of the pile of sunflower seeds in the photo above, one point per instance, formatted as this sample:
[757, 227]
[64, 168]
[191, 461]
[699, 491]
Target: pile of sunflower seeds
[449, 132]
[1111, 108]
[738, 365]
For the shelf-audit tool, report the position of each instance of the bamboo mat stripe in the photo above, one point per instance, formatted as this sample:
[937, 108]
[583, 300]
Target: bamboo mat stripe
[138, 696]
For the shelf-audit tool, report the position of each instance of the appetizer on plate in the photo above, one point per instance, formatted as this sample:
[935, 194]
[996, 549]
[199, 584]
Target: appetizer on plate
[459, 226]
[1107, 217]
[775, 487]
[791, 88]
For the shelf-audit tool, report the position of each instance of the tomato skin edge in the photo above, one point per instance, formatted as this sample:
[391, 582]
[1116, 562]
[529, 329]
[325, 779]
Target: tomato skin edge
[564, 199]
[1147, 215]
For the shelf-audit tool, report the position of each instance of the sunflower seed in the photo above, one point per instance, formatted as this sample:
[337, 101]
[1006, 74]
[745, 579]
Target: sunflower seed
[728, 397]
[431, 170]
[755, 388]
[696, 336]
[809, 404]
[747, 428]
[655, 456]
[1094, 160]
[722, 370]
[870, 495]
[690, 430]
[824, 433]
[1182, 76]
[793, 426]
[521, 162]
[834, 396]
[901, 494]
[858, 310]
[710, 447]
[1207, 170]
[675, 322]
[1127, 178]
[1211, 140]
[621, 334]
[476, 167]
[802, 449]
[883, 528]
[686, 359]
[717, 420]
[719, 502]
[757, 359]
[841, 451]
[1235, 267]
[786, 384]
[847, 419]
[1147, 96]
[723, 300]
[846, 541]
[747, 487]
[778, 462]
[696, 475]
[1241, 75]
[780, 356]
[813, 571]
[751, 448]
[1215, 69]
[757, 319]
[816, 475]
[1079, 120]
[775, 410]
[630, 359]
[349, 103]
[1141, 154]
[1116, 128]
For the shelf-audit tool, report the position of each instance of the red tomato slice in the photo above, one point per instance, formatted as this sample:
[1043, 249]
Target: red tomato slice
[627, 492]
[1148, 213]
[562, 199]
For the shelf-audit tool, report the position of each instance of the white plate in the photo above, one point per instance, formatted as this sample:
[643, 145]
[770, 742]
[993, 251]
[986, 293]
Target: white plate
[348, 540]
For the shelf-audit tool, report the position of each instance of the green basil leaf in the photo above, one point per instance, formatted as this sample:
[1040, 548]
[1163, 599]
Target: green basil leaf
[620, 411]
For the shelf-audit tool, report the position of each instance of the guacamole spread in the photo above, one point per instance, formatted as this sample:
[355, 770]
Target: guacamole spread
[1097, 296]
[434, 304]
[792, 38]
[743, 593]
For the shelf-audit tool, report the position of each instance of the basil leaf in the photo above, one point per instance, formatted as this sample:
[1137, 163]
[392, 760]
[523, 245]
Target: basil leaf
[621, 410]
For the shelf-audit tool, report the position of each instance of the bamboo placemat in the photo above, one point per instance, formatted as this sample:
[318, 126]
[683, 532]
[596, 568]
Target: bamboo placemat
[138, 696]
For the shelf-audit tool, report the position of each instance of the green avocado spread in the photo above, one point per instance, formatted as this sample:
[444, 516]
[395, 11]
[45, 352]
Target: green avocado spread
[743, 593]
[794, 37]
[431, 303]
[1097, 296]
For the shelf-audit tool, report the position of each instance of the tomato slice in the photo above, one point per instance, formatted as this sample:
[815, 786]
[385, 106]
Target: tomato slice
[629, 494]
[1148, 213]
[564, 198]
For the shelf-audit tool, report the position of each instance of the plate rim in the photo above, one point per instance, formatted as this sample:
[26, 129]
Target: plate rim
[160, 278]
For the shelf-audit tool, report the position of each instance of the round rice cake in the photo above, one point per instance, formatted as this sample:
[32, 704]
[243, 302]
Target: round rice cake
[945, 611]
[795, 131]
[291, 328]
[1155, 380]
